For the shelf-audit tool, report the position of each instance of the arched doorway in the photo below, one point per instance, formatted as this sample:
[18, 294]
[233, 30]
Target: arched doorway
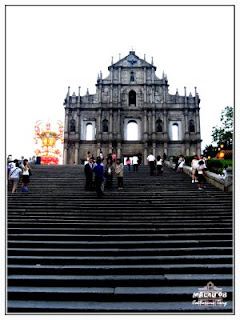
[132, 130]
[89, 131]
[175, 135]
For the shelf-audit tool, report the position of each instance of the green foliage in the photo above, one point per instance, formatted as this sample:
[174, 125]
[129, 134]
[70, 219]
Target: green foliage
[173, 158]
[215, 166]
[188, 160]
[223, 134]
[210, 150]
[228, 156]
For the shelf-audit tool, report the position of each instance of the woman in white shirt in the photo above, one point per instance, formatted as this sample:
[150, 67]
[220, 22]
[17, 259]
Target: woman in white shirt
[159, 165]
[194, 165]
[25, 175]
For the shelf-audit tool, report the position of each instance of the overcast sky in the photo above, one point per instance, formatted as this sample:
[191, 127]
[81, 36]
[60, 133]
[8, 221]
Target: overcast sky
[51, 48]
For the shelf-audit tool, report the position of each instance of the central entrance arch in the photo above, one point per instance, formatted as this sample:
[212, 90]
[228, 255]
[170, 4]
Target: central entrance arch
[132, 130]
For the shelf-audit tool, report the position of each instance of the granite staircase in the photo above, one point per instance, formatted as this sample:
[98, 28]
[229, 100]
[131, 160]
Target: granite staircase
[147, 248]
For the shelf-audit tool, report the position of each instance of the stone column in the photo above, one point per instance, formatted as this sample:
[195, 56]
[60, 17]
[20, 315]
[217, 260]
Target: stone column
[145, 85]
[165, 126]
[145, 136]
[119, 135]
[76, 152]
[98, 148]
[145, 154]
[119, 149]
[99, 122]
[149, 123]
[186, 131]
[66, 124]
[165, 148]
[154, 148]
[197, 122]
[110, 135]
[199, 149]
[65, 154]
[153, 121]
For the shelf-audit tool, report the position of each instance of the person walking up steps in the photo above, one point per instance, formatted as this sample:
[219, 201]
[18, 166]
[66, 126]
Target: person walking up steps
[109, 173]
[200, 175]
[128, 163]
[99, 177]
[159, 165]
[194, 165]
[135, 163]
[25, 175]
[15, 175]
[151, 161]
[119, 172]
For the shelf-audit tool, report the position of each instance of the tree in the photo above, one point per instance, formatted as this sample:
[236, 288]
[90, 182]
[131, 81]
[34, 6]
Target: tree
[210, 151]
[223, 134]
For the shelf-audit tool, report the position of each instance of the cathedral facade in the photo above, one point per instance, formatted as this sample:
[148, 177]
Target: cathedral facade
[132, 112]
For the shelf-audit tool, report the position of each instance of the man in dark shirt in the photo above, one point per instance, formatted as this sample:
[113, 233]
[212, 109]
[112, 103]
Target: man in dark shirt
[88, 170]
[99, 177]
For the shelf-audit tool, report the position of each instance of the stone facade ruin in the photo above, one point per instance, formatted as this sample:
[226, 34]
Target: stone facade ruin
[131, 99]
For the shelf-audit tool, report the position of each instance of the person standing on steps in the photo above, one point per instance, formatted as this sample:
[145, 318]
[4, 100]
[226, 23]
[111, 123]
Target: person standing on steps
[119, 173]
[181, 162]
[135, 163]
[200, 174]
[128, 163]
[159, 165]
[99, 177]
[25, 175]
[88, 170]
[194, 165]
[151, 161]
[15, 175]
[108, 173]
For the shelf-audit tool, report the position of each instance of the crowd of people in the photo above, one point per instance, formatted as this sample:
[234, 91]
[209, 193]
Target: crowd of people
[19, 171]
[96, 172]
[100, 172]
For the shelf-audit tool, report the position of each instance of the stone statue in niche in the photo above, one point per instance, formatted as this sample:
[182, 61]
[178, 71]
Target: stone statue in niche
[72, 126]
[191, 126]
[105, 126]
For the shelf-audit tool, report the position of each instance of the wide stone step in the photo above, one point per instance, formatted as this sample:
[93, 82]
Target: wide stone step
[119, 244]
[123, 306]
[138, 268]
[136, 252]
[115, 260]
[109, 279]
[110, 294]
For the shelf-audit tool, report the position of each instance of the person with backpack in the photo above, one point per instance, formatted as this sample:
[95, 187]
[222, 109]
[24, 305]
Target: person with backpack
[15, 175]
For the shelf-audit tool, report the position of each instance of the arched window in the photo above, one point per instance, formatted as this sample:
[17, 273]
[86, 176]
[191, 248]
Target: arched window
[89, 131]
[132, 76]
[105, 126]
[159, 125]
[72, 126]
[175, 135]
[191, 126]
[132, 130]
[132, 97]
